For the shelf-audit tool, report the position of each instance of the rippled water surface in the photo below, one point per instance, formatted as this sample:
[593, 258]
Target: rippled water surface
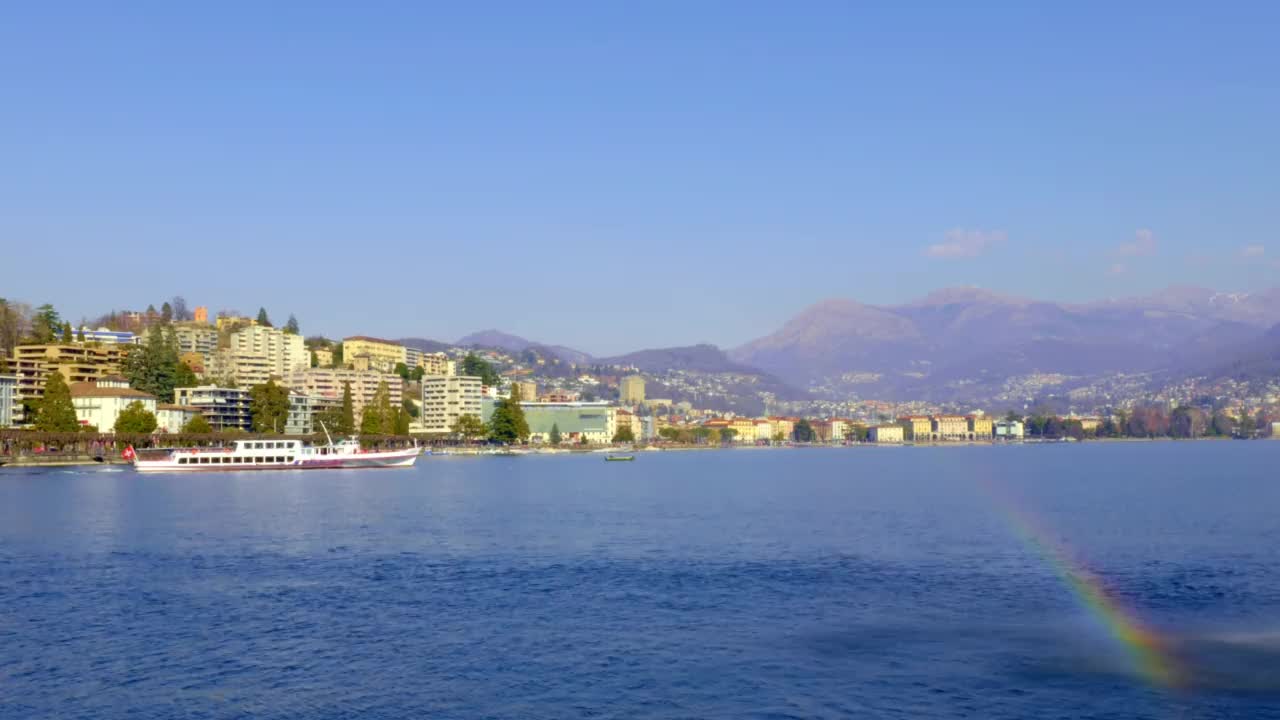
[869, 582]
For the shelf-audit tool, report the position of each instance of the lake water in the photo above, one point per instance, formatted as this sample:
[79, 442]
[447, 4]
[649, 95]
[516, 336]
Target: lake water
[868, 582]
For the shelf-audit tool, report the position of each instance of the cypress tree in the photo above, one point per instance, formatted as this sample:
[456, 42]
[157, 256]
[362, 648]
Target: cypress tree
[56, 413]
[348, 416]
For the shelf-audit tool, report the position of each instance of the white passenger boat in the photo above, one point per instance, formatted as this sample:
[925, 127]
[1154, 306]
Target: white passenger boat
[273, 455]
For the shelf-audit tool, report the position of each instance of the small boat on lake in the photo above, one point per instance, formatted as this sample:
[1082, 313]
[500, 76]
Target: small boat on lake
[619, 458]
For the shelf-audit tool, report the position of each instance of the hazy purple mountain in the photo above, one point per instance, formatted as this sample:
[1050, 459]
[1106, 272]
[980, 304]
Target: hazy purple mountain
[960, 336]
[709, 359]
[515, 344]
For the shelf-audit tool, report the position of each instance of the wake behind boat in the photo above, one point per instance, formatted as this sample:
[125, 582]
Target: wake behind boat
[273, 455]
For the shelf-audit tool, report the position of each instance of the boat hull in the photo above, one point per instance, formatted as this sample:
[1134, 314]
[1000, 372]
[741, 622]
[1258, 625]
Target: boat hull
[398, 458]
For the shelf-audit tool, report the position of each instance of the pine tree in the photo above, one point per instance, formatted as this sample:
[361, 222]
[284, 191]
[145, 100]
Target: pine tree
[135, 419]
[269, 406]
[291, 327]
[68, 336]
[153, 366]
[348, 416]
[55, 412]
[44, 324]
[508, 424]
[555, 434]
[262, 317]
[166, 313]
[402, 421]
[80, 335]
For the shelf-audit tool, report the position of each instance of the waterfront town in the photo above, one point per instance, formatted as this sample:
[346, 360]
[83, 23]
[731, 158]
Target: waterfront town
[177, 372]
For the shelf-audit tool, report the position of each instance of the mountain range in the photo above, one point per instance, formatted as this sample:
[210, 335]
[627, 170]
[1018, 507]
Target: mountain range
[964, 342]
[968, 338]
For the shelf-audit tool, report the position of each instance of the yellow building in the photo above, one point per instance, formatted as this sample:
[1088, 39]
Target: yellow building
[744, 430]
[383, 355]
[324, 357]
[782, 427]
[528, 390]
[951, 427]
[31, 364]
[916, 428]
[980, 427]
[631, 390]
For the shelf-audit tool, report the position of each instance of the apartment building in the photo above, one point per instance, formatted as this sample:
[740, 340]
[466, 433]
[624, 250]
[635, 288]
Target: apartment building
[172, 418]
[31, 364]
[284, 352]
[981, 427]
[446, 398]
[223, 408]
[528, 389]
[631, 390]
[951, 427]
[196, 337]
[99, 403]
[383, 355]
[917, 428]
[8, 397]
[888, 434]
[327, 383]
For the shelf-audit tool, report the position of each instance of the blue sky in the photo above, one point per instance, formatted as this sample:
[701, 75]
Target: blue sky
[622, 175]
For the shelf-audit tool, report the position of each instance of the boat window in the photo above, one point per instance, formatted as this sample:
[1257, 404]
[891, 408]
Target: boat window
[203, 461]
[182, 461]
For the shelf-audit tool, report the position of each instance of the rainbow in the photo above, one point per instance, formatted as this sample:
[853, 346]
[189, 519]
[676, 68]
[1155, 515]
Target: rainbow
[1147, 650]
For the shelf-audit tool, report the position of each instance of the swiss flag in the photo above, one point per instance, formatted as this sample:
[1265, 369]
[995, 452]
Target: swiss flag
[128, 453]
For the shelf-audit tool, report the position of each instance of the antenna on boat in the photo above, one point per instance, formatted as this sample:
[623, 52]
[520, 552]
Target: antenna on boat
[326, 433]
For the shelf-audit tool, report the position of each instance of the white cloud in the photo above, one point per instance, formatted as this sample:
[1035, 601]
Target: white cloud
[1253, 251]
[1144, 244]
[961, 243]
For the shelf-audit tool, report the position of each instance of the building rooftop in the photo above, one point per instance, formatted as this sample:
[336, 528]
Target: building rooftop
[366, 338]
[92, 389]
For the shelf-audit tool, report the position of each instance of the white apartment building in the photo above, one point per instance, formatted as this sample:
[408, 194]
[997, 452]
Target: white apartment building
[284, 352]
[222, 407]
[245, 369]
[8, 396]
[100, 403]
[327, 384]
[445, 398]
[172, 418]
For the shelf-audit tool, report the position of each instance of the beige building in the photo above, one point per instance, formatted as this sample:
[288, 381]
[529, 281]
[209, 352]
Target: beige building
[8, 393]
[31, 364]
[328, 383]
[239, 369]
[284, 352]
[783, 427]
[888, 434]
[951, 427]
[626, 418]
[172, 418]
[764, 430]
[445, 398]
[383, 355]
[324, 357]
[98, 403]
[631, 390]
[528, 389]
[195, 337]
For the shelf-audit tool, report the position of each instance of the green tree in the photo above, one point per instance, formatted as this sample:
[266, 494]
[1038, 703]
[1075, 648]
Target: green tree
[54, 411]
[348, 416]
[45, 324]
[555, 438]
[624, 435]
[468, 427]
[291, 326]
[197, 425]
[68, 335]
[269, 407]
[476, 366]
[184, 376]
[166, 313]
[409, 407]
[417, 373]
[153, 366]
[135, 419]
[262, 317]
[402, 370]
[728, 435]
[337, 355]
[803, 431]
[315, 359]
[80, 335]
[402, 421]
[379, 417]
[508, 424]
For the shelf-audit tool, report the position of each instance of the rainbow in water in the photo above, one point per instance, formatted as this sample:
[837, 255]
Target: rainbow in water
[1148, 651]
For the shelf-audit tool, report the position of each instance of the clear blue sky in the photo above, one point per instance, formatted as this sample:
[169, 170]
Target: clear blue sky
[623, 175]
